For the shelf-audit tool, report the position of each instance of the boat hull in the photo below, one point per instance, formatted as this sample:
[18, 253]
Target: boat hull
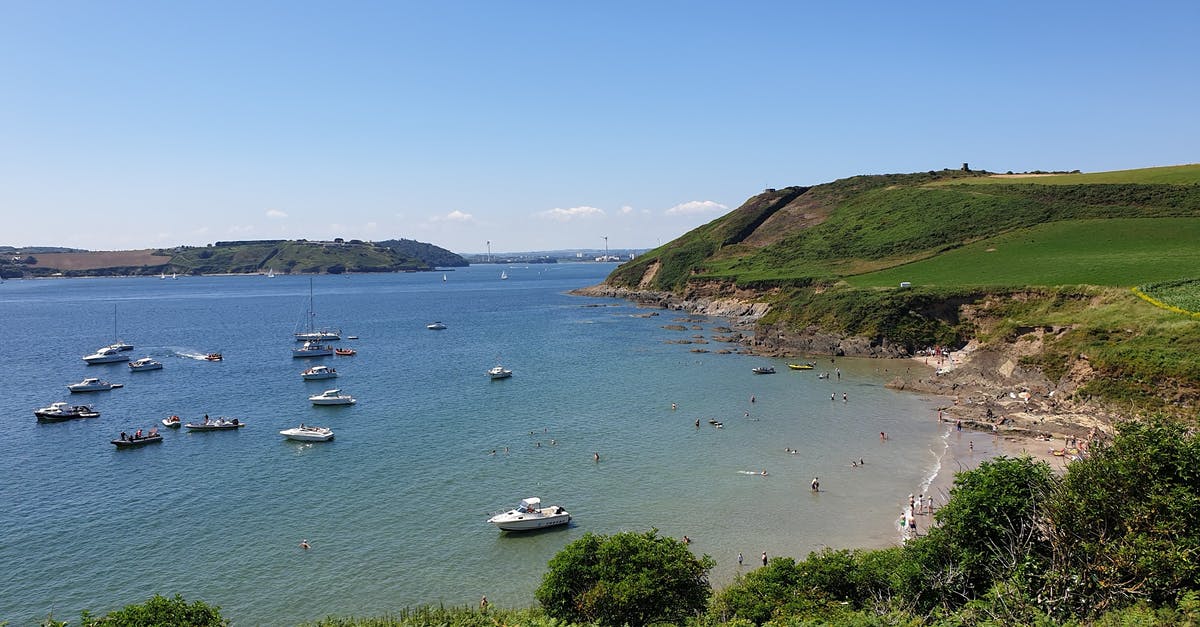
[528, 522]
[319, 377]
[307, 435]
[150, 439]
[333, 401]
[105, 359]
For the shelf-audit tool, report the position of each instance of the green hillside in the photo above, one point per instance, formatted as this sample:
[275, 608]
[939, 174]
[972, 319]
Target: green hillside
[288, 256]
[1040, 252]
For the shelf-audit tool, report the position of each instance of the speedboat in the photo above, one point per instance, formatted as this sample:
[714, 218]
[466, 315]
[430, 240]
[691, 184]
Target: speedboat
[305, 433]
[332, 397]
[130, 441]
[312, 349]
[63, 411]
[144, 363]
[808, 366]
[499, 372]
[173, 422]
[214, 357]
[220, 424]
[530, 515]
[106, 355]
[93, 384]
[435, 326]
[344, 352]
[764, 370]
[317, 373]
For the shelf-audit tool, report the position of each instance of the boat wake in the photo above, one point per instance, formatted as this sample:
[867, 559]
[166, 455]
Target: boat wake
[757, 473]
[188, 354]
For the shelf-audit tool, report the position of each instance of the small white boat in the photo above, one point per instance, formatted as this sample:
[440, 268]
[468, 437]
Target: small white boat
[313, 349]
[531, 515]
[503, 275]
[173, 422]
[106, 355]
[332, 397]
[435, 326]
[306, 433]
[64, 411]
[763, 370]
[318, 373]
[144, 363]
[93, 384]
[499, 372]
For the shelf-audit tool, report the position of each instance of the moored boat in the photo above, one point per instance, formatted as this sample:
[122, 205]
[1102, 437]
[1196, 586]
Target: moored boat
[332, 397]
[807, 366]
[530, 514]
[220, 424]
[174, 422]
[318, 373]
[344, 352]
[435, 326]
[64, 411]
[313, 349]
[499, 372]
[144, 363]
[763, 370]
[106, 355]
[306, 433]
[93, 384]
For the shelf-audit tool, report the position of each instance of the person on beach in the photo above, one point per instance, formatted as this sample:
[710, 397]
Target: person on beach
[764, 558]
[971, 446]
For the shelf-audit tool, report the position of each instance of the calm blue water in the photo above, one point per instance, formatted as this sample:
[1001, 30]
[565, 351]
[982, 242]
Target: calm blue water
[394, 508]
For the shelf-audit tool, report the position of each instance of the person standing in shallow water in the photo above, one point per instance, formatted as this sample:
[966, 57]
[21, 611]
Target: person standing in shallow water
[764, 558]
[816, 485]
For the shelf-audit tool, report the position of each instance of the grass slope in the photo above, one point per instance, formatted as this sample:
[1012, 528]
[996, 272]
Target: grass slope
[1117, 252]
[1169, 175]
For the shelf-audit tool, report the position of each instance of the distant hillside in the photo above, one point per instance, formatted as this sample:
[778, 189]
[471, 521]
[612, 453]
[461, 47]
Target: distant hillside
[433, 255]
[984, 257]
[280, 256]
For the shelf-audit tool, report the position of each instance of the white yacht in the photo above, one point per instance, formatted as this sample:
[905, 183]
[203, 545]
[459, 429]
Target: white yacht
[93, 384]
[64, 411]
[332, 397]
[106, 355]
[499, 372]
[318, 373]
[306, 433]
[313, 349]
[145, 363]
[531, 515]
[311, 334]
[435, 326]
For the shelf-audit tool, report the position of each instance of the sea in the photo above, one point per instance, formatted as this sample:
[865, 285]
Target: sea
[394, 508]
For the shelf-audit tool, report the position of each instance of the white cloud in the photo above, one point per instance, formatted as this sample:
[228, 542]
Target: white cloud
[626, 210]
[562, 215]
[696, 206]
[241, 228]
[275, 213]
[456, 216]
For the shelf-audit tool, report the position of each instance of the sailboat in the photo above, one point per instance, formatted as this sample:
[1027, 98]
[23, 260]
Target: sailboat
[443, 278]
[271, 273]
[311, 334]
[503, 275]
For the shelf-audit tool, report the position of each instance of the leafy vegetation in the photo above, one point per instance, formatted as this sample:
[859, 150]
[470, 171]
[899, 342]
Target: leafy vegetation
[1180, 295]
[625, 579]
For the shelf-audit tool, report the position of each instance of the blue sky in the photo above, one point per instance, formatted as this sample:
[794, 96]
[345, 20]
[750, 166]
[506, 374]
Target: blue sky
[540, 125]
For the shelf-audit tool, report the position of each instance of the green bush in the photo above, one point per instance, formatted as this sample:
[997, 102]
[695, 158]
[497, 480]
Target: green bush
[626, 578]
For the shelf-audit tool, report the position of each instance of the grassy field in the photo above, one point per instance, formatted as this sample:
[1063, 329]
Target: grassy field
[1170, 175]
[1114, 252]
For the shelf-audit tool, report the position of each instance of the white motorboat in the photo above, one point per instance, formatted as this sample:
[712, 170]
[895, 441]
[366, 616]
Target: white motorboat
[435, 326]
[332, 397]
[173, 422]
[318, 373]
[306, 433]
[531, 515]
[144, 363]
[313, 349]
[93, 384]
[64, 411]
[499, 372]
[106, 355]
